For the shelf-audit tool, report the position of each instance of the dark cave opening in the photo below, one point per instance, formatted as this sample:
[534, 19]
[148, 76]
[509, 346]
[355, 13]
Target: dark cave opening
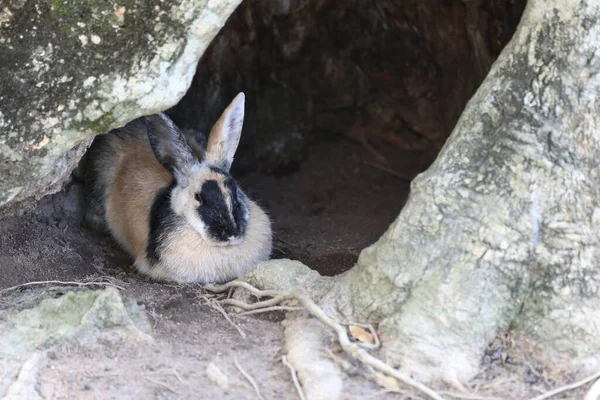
[346, 103]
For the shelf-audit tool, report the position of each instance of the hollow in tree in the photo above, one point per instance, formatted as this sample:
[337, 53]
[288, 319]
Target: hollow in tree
[502, 232]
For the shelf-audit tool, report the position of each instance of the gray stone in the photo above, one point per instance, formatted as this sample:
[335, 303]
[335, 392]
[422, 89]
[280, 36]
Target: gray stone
[73, 69]
[75, 316]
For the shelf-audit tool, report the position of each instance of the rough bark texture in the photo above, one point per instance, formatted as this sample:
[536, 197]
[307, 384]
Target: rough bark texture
[73, 69]
[389, 71]
[502, 231]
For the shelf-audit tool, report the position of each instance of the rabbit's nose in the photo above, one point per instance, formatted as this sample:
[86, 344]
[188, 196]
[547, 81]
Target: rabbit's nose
[234, 240]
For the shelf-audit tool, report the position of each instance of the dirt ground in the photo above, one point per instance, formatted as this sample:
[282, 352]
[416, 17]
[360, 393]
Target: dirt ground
[333, 207]
[323, 214]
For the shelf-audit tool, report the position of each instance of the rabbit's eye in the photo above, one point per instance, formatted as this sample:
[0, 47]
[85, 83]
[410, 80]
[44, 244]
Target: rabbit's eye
[198, 197]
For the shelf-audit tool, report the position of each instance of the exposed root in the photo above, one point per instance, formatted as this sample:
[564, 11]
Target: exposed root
[389, 171]
[397, 141]
[248, 378]
[351, 348]
[594, 392]
[258, 305]
[388, 391]
[214, 304]
[172, 372]
[374, 152]
[469, 396]
[534, 371]
[305, 339]
[274, 308]
[566, 388]
[159, 383]
[344, 364]
[80, 284]
[285, 362]
[26, 382]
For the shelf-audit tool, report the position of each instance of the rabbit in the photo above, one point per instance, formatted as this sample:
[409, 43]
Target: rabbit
[171, 203]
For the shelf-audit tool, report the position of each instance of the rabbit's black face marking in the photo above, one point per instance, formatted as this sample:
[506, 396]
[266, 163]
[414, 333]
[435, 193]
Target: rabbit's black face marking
[239, 208]
[221, 211]
[163, 221]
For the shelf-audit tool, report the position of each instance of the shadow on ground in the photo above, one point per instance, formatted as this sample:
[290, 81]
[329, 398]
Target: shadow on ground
[323, 214]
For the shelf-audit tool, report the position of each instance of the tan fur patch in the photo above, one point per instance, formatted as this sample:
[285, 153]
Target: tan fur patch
[138, 178]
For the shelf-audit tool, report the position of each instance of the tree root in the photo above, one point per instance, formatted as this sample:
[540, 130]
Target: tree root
[269, 309]
[389, 171]
[73, 283]
[356, 350]
[568, 387]
[249, 378]
[215, 305]
[594, 392]
[353, 349]
[162, 384]
[305, 339]
[294, 377]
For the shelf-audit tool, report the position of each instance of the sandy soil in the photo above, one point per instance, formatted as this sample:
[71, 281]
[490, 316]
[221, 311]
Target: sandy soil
[323, 214]
[332, 208]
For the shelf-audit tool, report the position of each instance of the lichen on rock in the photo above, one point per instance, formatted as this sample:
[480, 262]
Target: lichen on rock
[62, 317]
[73, 69]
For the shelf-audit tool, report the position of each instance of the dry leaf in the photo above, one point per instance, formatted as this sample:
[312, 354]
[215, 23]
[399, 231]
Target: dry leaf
[292, 303]
[361, 334]
[386, 382]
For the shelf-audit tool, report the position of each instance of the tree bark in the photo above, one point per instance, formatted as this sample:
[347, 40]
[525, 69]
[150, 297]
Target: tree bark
[502, 231]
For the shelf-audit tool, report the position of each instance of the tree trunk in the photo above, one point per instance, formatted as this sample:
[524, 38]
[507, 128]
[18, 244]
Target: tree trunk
[502, 231]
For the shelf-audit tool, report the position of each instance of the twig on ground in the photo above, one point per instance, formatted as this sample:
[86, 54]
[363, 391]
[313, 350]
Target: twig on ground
[594, 392]
[172, 372]
[389, 171]
[469, 396]
[568, 387]
[294, 377]
[60, 283]
[395, 391]
[351, 348]
[534, 371]
[288, 242]
[145, 375]
[344, 364]
[248, 378]
[214, 304]
[274, 308]
[159, 383]
[255, 306]
[179, 378]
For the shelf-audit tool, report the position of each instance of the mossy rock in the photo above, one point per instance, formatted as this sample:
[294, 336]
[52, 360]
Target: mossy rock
[76, 315]
[74, 69]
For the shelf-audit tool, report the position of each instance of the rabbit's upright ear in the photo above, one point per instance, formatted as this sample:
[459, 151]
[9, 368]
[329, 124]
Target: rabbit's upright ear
[225, 135]
[170, 147]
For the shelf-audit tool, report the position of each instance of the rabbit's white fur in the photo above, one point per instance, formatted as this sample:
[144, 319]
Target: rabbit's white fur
[182, 257]
[145, 193]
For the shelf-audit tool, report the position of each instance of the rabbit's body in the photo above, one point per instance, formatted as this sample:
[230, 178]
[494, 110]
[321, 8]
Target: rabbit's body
[190, 224]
